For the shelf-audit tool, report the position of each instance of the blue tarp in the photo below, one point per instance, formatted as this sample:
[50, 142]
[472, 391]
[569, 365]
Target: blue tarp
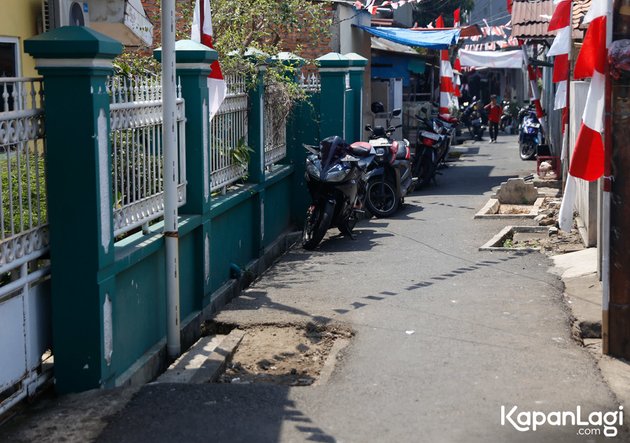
[438, 39]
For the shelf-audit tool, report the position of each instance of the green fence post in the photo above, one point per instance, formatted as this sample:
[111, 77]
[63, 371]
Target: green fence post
[75, 63]
[357, 69]
[256, 127]
[335, 84]
[193, 62]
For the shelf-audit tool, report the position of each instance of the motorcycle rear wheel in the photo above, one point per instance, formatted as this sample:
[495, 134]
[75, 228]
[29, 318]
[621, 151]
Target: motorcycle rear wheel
[425, 170]
[527, 150]
[381, 199]
[318, 219]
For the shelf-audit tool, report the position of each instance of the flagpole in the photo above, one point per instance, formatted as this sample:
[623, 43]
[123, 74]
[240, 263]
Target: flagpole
[169, 140]
[607, 188]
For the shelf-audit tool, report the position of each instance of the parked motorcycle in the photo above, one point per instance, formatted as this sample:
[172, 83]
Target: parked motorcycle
[334, 176]
[506, 117]
[431, 148]
[530, 135]
[389, 177]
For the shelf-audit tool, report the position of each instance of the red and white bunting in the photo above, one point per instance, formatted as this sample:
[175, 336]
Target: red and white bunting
[201, 31]
[587, 161]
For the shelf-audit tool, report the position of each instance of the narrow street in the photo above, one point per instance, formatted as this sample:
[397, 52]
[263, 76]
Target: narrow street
[445, 335]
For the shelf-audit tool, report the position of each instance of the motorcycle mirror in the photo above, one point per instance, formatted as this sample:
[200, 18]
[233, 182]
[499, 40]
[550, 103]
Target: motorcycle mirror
[368, 128]
[377, 107]
[396, 112]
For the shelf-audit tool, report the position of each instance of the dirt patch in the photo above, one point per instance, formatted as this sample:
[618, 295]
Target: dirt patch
[515, 209]
[558, 242]
[285, 355]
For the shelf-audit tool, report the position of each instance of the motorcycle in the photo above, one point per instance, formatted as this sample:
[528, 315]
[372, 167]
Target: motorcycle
[473, 118]
[389, 176]
[334, 177]
[530, 135]
[506, 117]
[431, 148]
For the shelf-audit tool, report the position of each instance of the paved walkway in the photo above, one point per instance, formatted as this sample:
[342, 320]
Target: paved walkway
[489, 330]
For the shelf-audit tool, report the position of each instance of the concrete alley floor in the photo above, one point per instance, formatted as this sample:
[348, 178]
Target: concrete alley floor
[489, 330]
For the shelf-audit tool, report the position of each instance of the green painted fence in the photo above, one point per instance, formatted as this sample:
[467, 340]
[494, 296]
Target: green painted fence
[109, 301]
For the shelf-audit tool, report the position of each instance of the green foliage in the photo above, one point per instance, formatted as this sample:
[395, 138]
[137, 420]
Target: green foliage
[133, 64]
[241, 154]
[23, 191]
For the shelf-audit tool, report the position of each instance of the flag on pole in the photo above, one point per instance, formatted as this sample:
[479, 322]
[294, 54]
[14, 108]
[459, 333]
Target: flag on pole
[561, 22]
[201, 32]
[439, 22]
[587, 161]
[456, 18]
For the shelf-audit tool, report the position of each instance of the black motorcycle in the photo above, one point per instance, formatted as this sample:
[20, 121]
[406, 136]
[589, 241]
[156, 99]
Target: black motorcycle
[389, 177]
[334, 176]
[431, 147]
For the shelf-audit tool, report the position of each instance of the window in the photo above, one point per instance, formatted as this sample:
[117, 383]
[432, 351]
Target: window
[9, 57]
[9, 67]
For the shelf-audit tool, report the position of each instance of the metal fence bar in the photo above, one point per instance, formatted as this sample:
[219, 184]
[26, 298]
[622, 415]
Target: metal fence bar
[228, 132]
[275, 125]
[137, 152]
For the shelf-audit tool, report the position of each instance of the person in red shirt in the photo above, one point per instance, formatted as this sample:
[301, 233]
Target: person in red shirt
[494, 117]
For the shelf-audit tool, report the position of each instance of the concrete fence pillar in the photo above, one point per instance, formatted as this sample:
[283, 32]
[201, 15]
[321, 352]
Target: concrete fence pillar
[335, 82]
[356, 71]
[193, 61]
[75, 63]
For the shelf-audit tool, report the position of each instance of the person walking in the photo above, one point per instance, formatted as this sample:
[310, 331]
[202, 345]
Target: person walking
[494, 117]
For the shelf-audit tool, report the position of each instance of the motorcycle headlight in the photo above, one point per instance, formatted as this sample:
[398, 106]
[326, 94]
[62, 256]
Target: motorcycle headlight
[436, 127]
[312, 169]
[380, 152]
[336, 174]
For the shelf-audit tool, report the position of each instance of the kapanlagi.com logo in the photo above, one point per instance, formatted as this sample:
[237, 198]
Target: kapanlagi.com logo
[595, 423]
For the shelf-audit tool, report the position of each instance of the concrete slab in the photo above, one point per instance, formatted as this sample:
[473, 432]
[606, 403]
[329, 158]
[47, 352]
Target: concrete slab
[575, 264]
[186, 366]
[584, 295]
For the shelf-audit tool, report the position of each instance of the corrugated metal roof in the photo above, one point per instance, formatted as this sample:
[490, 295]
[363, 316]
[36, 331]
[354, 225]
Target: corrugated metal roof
[580, 7]
[530, 19]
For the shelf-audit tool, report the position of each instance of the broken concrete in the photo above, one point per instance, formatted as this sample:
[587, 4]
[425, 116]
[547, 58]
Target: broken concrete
[516, 192]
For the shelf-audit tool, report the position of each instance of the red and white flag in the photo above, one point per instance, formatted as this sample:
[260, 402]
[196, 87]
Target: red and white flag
[587, 161]
[456, 18]
[561, 22]
[202, 32]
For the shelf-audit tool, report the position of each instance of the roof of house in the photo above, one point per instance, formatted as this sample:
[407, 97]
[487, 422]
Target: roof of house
[530, 19]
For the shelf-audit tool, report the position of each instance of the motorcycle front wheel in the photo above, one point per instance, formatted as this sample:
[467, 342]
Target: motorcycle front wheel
[381, 199]
[527, 150]
[318, 219]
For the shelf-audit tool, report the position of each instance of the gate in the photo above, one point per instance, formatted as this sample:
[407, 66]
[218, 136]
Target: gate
[25, 329]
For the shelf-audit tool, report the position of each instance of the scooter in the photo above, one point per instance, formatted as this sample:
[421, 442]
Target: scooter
[389, 176]
[335, 179]
[530, 136]
[431, 148]
[506, 118]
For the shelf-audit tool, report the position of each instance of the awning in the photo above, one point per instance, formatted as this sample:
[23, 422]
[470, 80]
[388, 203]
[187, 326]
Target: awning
[493, 59]
[438, 39]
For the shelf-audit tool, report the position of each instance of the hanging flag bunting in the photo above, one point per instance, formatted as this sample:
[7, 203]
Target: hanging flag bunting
[587, 161]
[561, 22]
[201, 32]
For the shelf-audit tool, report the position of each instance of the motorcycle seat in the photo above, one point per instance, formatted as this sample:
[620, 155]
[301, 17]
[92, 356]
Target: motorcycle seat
[360, 149]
